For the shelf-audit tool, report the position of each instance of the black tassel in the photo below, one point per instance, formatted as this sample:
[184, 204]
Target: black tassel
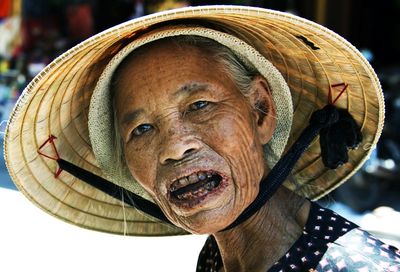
[337, 138]
[320, 119]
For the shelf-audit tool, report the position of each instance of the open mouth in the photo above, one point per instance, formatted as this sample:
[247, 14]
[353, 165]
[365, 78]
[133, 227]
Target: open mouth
[195, 186]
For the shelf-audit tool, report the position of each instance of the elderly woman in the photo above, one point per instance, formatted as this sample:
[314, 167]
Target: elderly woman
[185, 116]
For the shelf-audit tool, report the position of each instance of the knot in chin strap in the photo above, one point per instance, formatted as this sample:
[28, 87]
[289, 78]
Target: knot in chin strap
[338, 131]
[325, 117]
[339, 136]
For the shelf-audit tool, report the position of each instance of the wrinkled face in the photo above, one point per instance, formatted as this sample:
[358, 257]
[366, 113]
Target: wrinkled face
[191, 139]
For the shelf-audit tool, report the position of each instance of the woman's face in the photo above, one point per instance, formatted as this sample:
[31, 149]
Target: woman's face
[191, 139]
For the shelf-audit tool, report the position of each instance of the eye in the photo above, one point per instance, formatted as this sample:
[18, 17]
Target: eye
[198, 105]
[142, 129]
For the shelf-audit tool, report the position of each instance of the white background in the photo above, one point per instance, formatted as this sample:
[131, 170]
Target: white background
[32, 240]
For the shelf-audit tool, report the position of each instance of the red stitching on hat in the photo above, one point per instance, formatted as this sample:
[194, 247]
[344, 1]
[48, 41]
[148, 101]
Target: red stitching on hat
[51, 141]
[344, 85]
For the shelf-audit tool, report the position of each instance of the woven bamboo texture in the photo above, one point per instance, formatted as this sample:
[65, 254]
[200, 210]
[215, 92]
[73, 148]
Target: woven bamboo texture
[56, 103]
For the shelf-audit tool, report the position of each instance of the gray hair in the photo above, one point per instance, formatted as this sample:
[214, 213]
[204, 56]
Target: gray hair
[242, 75]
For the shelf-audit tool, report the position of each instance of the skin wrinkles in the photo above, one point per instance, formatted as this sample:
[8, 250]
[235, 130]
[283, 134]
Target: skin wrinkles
[225, 127]
[132, 117]
[190, 88]
[260, 245]
[241, 158]
[225, 135]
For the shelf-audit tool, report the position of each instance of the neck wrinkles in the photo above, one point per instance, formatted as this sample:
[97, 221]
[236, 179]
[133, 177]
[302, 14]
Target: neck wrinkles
[260, 241]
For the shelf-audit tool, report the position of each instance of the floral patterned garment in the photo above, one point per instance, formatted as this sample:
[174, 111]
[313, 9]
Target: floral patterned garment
[329, 243]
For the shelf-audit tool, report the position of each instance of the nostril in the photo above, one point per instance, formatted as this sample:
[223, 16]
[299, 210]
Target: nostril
[189, 151]
[174, 151]
[183, 155]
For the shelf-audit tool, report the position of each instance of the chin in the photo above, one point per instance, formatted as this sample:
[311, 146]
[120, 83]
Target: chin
[206, 221]
[205, 225]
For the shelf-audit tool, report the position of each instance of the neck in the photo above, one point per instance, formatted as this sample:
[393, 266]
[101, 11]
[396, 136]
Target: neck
[260, 241]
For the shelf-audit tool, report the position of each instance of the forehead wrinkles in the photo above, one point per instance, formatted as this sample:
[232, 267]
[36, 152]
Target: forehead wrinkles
[150, 54]
[132, 73]
[167, 113]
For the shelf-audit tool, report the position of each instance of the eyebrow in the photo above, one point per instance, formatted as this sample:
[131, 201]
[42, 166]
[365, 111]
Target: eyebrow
[190, 88]
[132, 116]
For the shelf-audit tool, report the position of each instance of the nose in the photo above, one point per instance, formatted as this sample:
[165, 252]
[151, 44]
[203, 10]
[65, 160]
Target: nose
[178, 146]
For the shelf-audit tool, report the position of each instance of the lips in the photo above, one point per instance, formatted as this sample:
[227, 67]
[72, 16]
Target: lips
[195, 186]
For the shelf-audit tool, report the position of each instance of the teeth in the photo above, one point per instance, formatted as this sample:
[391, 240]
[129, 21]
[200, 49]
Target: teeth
[183, 182]
[210, 185]
[202, 176]
[194, 190]
[193, 178]
[197, 193]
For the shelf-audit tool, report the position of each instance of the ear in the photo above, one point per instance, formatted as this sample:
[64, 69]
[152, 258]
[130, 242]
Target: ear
[264, 109]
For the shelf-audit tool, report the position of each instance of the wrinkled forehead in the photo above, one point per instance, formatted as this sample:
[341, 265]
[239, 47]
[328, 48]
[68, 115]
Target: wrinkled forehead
[167, 67]
[182, 46]
[169, 57]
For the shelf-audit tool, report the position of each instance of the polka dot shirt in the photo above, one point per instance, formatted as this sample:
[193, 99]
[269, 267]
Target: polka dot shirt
[329, 243]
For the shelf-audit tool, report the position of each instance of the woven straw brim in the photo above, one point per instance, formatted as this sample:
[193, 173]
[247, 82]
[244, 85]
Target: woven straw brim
[57, 101]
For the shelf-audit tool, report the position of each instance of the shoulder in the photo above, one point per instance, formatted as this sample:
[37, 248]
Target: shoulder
[358, 250]
[348, 247]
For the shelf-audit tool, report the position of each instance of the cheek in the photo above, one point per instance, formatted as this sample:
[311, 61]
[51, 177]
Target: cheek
[141, 165]
[233, 136]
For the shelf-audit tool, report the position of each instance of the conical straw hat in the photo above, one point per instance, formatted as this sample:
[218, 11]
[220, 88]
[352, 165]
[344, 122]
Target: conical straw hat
[312, 59]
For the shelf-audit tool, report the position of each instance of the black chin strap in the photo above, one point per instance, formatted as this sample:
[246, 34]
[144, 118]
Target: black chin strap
[338, 132]
[320, 119]
[113, 190]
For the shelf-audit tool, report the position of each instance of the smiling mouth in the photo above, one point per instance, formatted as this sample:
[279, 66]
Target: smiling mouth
[195, 186]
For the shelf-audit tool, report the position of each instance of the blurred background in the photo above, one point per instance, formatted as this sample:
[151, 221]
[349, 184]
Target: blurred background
[33, 33]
